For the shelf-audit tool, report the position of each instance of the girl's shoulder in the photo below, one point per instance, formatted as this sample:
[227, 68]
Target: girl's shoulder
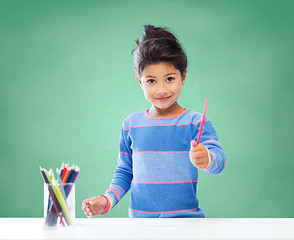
[192, 116]
[133, 118]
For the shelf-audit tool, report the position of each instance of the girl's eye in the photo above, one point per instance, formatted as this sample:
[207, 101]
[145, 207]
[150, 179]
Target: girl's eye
[151, 81]
[169, 79]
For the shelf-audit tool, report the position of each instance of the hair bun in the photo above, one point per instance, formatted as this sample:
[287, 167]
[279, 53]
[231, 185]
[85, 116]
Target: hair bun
[151, 32]
[158, 45]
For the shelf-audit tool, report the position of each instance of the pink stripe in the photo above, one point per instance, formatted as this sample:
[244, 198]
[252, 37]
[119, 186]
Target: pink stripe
[147, 114]
[124, 152]
[115, 192]
[164, 125]
[207, 120]
[165, 182]
[162, 152]
[119, 187]
[211, 140]
[107, 206]
[185, 210]
[213, 158]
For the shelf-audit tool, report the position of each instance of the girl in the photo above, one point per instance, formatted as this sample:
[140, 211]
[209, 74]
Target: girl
[159, 158]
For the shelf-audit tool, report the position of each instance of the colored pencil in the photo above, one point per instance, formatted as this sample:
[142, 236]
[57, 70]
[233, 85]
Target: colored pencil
[52, 195]
[77, 173]
[58, 174]
[64, 171]
[68, 170]
[58, 200]
[72, 180]
[60, 183]
[62, 188]
[72, 170]
[61, 169]
[202, 122]
[72, 177]
[61, 200]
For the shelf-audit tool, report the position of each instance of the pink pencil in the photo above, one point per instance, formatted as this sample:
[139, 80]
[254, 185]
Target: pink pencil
[202, 122]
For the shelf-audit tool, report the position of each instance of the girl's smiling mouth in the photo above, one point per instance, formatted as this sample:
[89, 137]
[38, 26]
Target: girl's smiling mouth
[163, 99]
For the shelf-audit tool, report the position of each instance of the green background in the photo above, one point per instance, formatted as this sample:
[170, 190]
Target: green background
[67, 83]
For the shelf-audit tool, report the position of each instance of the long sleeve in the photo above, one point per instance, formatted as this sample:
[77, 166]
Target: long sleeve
[210, 140]
[123, 174]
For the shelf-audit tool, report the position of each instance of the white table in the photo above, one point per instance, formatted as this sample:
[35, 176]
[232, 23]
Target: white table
[172, 228]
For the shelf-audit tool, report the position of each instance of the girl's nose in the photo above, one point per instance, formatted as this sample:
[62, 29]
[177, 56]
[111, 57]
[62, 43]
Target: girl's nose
[162, 89]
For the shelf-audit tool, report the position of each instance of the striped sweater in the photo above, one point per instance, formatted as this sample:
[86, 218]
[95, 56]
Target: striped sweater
[154, 163]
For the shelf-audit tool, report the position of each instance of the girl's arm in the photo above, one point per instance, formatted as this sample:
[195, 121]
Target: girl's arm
[123, 174]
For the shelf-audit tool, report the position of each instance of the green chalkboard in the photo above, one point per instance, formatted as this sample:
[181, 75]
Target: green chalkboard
[67, 83]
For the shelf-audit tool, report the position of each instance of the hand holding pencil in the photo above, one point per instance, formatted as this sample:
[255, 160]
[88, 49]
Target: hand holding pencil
[199, 155]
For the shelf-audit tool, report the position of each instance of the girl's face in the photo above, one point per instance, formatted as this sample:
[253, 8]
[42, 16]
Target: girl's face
[162, 83]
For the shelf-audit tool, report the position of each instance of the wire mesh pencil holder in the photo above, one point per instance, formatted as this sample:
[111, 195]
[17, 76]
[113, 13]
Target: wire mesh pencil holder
[59, 205]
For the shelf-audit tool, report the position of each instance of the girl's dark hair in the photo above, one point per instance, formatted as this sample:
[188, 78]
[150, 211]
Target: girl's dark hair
[158, 45]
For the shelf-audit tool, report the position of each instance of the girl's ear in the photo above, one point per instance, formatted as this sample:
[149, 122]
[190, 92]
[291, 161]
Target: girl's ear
[184, 77]
[138, 80]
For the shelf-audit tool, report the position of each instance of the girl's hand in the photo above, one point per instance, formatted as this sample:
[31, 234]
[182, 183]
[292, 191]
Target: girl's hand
[199, 156]
[94, 205]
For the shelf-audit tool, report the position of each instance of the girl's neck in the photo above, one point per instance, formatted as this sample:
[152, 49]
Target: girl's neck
[172, 111]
